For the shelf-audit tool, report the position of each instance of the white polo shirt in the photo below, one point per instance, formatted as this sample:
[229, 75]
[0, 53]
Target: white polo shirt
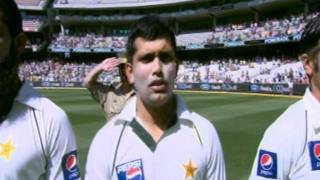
[28, 152]
[290, 148]
[190, 149]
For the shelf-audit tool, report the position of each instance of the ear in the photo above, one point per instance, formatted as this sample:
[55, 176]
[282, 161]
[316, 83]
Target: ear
[129, 73]
[20, 43]
[307, 64]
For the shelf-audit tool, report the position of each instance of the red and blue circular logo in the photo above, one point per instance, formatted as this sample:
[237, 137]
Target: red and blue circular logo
[71, 162]
[316, 151]
[266, 162]
[134, 173]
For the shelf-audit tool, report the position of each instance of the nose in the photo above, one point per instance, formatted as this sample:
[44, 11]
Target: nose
[157, 66]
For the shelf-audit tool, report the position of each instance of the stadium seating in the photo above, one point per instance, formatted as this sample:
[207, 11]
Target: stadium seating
[262, 70]
[83, 42]
[227, 34]
[32, 23]
[29, 2]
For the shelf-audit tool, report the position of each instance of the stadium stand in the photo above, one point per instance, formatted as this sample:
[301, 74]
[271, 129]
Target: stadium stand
[86, 41]
[29, 2]
[262, 70]
[32, 23]
[114, 3]
[287, 29]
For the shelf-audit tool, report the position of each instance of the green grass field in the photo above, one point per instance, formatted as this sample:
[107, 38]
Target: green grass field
[239, 119]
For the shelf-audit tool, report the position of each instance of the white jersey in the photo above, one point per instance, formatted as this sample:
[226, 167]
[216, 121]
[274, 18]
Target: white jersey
[290, 148]
[36, 140]
[123, 149]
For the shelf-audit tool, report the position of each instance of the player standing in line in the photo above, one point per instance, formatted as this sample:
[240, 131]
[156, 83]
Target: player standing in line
[36, 139]
[290, 148]
[155, 137]
[112, 98]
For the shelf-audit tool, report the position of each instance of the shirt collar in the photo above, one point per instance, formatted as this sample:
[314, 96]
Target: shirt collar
[129, 111]
[28, 96]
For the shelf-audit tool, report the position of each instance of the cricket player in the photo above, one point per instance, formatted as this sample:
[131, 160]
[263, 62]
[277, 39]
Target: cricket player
[290, 148]
[36, 139]
[112, 98]
[155, 137]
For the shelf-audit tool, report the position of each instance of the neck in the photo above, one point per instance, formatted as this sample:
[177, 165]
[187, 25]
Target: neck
[156, 119]
[125, 87]
[316, 93]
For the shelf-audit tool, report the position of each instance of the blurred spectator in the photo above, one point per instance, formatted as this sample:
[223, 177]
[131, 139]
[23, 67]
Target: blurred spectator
[257, 70]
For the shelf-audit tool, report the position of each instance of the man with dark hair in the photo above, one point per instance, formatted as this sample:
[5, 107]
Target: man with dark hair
[113, 97]
[36, 139]
[155, 136]
[290, 148]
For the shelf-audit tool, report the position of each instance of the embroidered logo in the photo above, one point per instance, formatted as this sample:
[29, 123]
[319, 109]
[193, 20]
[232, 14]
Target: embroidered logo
[267, 164]
[132, 170]
[314, 151]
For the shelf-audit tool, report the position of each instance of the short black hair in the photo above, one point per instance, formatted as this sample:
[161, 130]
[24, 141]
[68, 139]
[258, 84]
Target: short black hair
[311, 35]
[310, 40]
[11, 17]
[149, 27]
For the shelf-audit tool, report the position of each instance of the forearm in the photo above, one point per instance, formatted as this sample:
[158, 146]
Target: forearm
[92, 76]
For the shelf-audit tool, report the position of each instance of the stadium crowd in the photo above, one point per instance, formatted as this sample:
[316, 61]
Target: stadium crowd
[32, 23]
[258, 70]
[87, 41]
[262, 30]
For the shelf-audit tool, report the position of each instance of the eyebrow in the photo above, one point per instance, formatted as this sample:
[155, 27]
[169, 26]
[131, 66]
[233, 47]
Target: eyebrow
[143, 56]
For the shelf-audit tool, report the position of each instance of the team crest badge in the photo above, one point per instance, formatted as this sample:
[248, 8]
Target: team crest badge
[6, 149]
[267, 164]
[190, 169]
[314, 151]
[132, 170]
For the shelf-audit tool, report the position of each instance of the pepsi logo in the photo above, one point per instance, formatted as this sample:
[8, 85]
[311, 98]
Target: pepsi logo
[266, 161]
[134, 173]
[71, 162]
[316, 151]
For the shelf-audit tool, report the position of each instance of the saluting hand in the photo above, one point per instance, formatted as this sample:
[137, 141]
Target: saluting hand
[109, 64]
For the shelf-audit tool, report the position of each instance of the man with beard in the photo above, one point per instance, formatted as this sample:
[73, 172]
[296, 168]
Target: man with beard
[155, 136]
[290, 147]
[36, 139]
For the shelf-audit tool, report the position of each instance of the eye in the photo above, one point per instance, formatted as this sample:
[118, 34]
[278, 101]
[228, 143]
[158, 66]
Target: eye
[166, 57]
[147, 58]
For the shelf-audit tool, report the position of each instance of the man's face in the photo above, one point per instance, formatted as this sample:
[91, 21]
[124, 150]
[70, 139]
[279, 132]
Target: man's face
[315, 81]
[154, 69]
[5, 41]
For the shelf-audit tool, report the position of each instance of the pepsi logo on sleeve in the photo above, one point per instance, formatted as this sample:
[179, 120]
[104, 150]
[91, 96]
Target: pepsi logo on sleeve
[267, 164]
[70, 166]
[314, 151]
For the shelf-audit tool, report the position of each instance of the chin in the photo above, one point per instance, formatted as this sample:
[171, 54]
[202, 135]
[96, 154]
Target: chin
[160, 99]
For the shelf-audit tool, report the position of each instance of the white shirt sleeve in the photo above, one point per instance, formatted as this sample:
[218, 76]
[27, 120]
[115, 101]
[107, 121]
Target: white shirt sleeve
[280, 148]
[99, 160]
[216, 165]
[60, 144]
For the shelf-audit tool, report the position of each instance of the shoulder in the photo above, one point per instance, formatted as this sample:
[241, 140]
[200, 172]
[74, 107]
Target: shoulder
[52, 112]
[107, 136]
[287, 135]
[289, 125]
[205, 128]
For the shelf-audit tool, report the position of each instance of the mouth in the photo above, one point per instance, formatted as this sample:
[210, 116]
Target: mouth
[158, 86]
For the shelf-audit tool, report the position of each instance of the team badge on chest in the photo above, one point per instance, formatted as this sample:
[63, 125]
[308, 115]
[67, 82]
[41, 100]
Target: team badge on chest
[314, 151]
[6, 149]
[190, 169]
[132, 170]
